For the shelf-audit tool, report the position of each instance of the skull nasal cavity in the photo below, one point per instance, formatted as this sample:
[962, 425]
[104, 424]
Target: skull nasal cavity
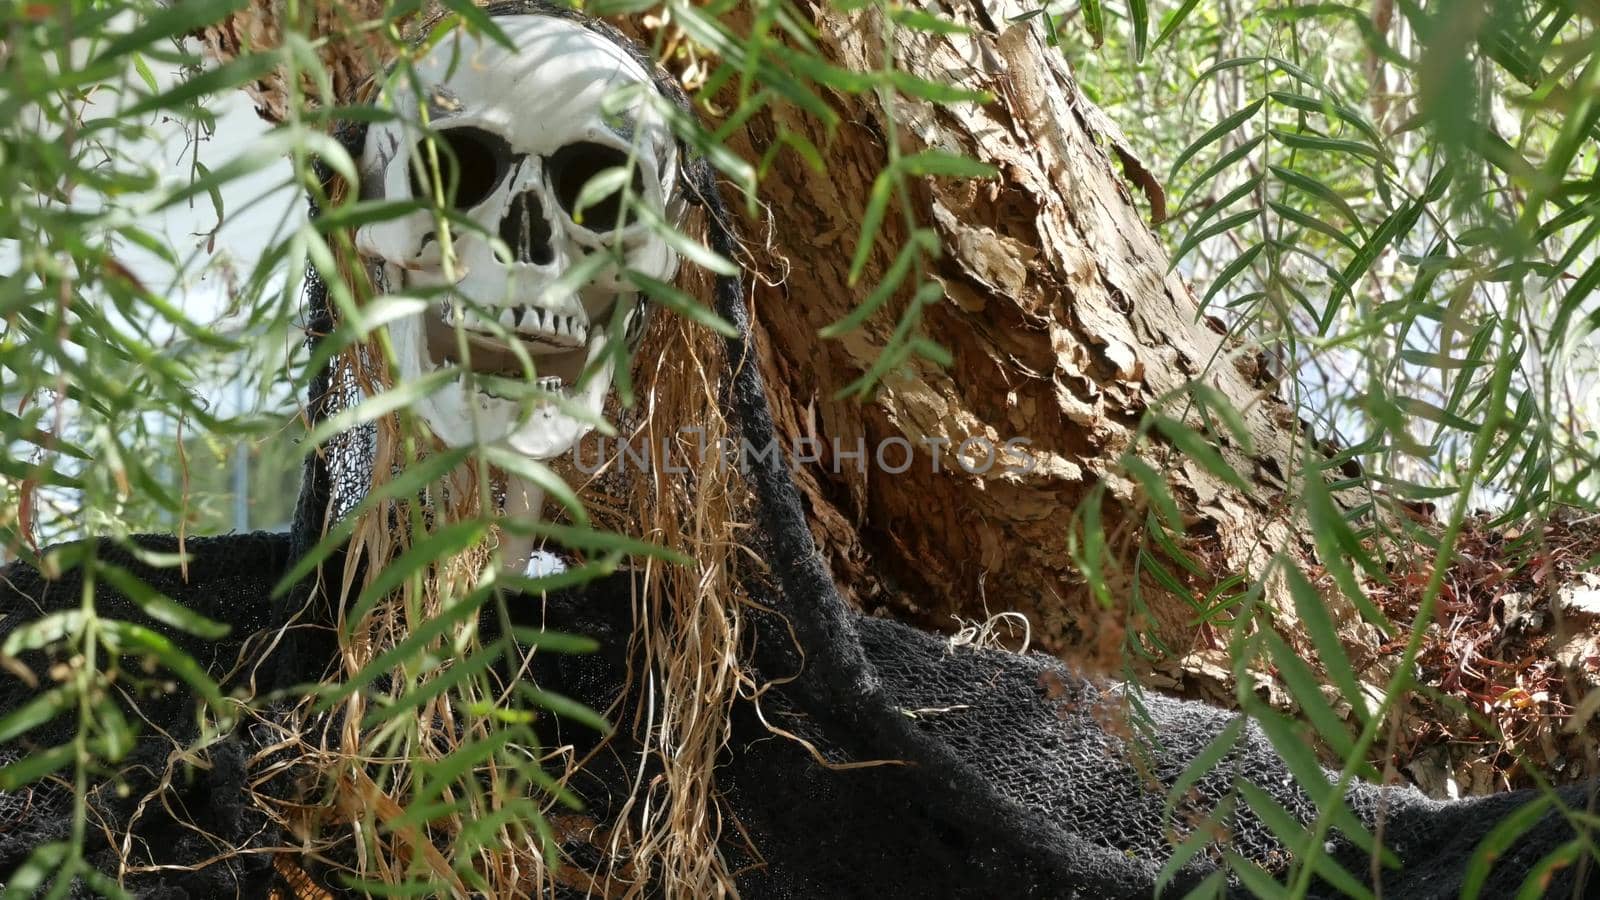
[526, 230]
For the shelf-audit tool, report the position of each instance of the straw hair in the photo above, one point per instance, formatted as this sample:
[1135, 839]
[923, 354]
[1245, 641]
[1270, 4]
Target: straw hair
[666, 836]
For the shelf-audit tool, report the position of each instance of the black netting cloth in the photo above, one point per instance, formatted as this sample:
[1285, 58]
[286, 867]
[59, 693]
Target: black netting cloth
[1051, 745]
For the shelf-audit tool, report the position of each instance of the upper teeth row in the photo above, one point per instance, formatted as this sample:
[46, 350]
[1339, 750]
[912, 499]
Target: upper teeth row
[522, 320]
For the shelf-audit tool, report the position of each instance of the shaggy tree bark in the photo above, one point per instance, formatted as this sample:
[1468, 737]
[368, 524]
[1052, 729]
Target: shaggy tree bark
[1064, 324]
[1063, 321]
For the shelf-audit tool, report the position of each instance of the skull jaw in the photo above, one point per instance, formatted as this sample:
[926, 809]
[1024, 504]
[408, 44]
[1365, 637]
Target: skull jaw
[462, 414]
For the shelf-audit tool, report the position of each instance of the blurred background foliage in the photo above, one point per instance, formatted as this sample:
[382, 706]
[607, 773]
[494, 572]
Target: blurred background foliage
[1397, 200]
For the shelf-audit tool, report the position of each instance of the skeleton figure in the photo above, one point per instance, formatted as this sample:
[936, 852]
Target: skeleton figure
[1009, 783]
[518, 138]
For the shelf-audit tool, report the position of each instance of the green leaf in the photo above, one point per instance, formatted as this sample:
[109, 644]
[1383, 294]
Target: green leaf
[1224, 279]
[1320, 144]
[1319, 627]
[411, 648]
[448, 541]
[211, 82]
[1218, 404]
[1204, 763]
[400, 396]
[539, 474]
[1175, 20]
[1254, 878]
[1536, 885]
[1094, 21]
[1308, 773]
[1196, 447]
[413, 700]
[133, 638]
[1155, 490]
[563, 706]
[157, 605]
[871, 220]
[442, 775]
[935, 92]
[35, 712]
[408, 483]
[1505, 833]
[1139, 12]
[951, 165]
[923, 21]
[168, 22]
[1312, 223]
[1239, 191]
[1227, 126]
[546, 641]
[1224, 225]
[1316, 189]
[1294, 834]
[1304, 686]
[600, 188]
[44, 631]
[35, 766]
[680, 302]
[29, 878]
[688, 248]
[480, 21]
[1335, 543]
[885, 288]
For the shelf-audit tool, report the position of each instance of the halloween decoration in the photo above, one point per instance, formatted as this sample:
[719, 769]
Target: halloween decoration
[867, 759]
[520, 135]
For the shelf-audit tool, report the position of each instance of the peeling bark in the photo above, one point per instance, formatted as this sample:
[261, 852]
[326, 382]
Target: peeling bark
[1064, 324]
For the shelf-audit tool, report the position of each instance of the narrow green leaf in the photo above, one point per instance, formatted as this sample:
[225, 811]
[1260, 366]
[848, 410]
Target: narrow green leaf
[1197, 448]
[35, 766]
[1204, 763]
[563, 706]
[157, 605]
[35, 712]
[448, 541]
[1227, 126]
[871, 220]
[178, 19]
[1319, 627]
[1499, 839]
[1294, 834]
[139, 639]
[681, 303]
[211, 82]
[1175, 20]
[419, 696]
[1304, 687]
[1224, 279]
[950, 165]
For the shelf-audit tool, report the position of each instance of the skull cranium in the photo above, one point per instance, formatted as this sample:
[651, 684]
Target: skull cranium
[517, 137]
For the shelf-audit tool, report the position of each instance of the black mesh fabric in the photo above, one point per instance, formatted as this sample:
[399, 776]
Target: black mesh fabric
[189, 827]
[1049, 741]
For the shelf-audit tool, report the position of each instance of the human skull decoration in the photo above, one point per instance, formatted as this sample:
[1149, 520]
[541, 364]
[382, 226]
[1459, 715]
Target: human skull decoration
[518, 135]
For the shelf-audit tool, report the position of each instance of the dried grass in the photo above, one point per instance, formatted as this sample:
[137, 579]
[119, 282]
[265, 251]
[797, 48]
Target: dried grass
[688, 632]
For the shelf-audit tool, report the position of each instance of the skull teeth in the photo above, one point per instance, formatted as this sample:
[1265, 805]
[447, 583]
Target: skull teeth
[540, 325]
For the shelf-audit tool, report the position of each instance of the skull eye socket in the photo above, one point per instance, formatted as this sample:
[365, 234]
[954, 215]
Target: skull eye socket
[574, 165]
[469, 165]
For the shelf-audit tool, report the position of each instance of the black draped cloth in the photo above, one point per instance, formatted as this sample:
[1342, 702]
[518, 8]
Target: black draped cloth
[1082, 810]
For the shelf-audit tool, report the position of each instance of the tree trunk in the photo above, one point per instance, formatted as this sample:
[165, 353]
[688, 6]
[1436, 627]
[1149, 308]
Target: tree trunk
[1063, 322]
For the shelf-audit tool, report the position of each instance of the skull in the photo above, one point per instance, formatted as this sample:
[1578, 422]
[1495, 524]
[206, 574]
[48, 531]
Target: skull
[518, 135]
